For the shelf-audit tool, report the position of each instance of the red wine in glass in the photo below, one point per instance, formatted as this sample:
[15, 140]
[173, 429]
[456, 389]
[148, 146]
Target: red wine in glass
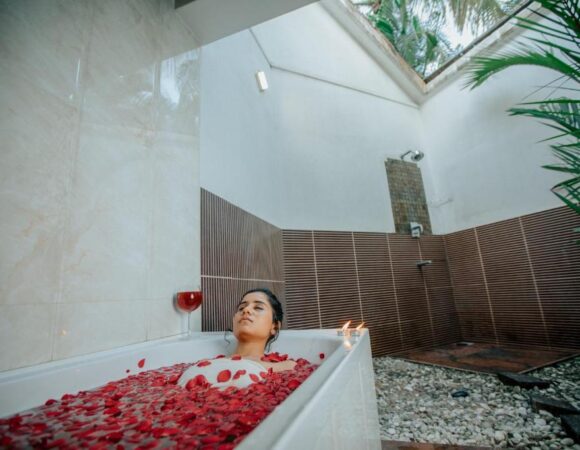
[189, 302]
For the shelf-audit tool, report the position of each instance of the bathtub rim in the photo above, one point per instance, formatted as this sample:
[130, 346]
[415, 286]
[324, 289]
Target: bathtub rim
[312, 388]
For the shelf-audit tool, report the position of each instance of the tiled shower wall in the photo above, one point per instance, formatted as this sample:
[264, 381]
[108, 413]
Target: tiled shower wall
[407, 193]
[333, 277]
[239, 252]
[510, 282]
[518, 281]
[330, 277]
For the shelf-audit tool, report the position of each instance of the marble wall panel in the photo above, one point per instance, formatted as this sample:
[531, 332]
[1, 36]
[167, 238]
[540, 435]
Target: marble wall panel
[99, 175]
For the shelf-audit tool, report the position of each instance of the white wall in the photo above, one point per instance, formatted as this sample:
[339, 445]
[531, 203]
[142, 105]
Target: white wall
[487, 162]
[99, 170]
[309, 152]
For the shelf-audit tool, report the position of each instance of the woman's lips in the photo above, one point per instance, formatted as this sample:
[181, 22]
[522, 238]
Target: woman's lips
[245, 318]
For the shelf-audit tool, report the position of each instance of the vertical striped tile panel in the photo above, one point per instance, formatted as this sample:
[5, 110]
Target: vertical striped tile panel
[531, 272]
[444, 314]
[469, 289]
[437, 273]
[237, 244]
[378, 299]
[561, 306]
[300, 281]
[517, 315]
[239, 252]
[515, 303]
[503, 252]
[446, 325]
[337, 280]
[414, 309]
[555, 261]
[405, 254]
[463, 258]
[474, 314]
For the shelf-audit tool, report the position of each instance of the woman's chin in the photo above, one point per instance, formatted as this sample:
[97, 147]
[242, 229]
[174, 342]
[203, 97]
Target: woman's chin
[247, 333]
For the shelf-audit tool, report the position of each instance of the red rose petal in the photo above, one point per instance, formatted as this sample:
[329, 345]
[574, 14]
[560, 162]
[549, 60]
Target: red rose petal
[203, 363]
[58, 443]
[141, 363]
[293, 384]
[321, 356]
[162, 432]
[224, 376]
[115, 436]
[254, 377]
[236, 357]
[150, 410]
[239, 373]
[220, 356]
[144, 426]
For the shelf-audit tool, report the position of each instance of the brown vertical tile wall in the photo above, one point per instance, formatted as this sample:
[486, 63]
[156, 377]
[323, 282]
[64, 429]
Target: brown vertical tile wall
[377, 292]
[512, 282]
[372, 277]
[517, 281]
[337, 279]
[469, 288]
[555, 262]
[414, 309]
[444, 316]
[301, 280]
[238, 252]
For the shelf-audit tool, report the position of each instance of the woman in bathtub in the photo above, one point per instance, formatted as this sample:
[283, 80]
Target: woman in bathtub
[256, 324]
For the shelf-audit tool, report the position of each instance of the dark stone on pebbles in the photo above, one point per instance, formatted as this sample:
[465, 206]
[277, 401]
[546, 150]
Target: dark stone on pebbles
[571, 424]
[460, 393]
[553, 406]
[524, 381]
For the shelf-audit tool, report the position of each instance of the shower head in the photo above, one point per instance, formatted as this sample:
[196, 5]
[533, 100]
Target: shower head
[416, 155]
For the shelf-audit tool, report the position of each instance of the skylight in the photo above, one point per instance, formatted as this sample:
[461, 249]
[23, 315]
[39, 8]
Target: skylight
[428, 34]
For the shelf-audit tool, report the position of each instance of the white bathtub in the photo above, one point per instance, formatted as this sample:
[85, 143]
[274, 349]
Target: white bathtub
[335, 408]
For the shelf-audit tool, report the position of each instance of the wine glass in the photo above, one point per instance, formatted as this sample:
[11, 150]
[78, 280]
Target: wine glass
[188, 302]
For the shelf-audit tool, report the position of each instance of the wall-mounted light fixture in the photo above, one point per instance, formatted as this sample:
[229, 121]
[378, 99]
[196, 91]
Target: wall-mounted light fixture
[262, 81]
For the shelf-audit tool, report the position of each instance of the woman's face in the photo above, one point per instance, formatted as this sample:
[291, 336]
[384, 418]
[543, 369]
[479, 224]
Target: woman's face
[253, 319]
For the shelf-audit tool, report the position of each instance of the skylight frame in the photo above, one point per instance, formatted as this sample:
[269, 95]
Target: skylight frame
[454, 59]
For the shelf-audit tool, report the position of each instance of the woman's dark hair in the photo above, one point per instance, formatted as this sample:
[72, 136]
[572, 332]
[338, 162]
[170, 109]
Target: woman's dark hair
[277, 312]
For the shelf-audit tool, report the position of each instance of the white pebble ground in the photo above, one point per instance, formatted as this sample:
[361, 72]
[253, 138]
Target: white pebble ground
[415, 404]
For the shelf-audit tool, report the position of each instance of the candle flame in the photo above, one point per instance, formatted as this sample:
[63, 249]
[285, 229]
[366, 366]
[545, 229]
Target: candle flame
[360, 326]
[345, 326]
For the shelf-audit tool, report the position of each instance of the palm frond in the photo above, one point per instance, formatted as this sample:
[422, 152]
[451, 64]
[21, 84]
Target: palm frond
[482, 68]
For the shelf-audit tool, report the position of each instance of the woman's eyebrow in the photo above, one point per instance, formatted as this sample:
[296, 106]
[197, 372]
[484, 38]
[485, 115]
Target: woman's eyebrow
[255, 301]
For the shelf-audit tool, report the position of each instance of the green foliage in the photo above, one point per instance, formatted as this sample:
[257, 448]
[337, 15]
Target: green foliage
[414, 26]
[555, 45]
[420, 43]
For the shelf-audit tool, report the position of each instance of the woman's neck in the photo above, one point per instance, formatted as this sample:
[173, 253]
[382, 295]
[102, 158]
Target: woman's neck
[248, 349]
